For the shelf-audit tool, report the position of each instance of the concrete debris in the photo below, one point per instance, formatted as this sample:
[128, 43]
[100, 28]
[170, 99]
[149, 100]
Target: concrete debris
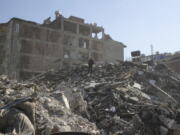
[15, 120]
[116, 99]
[52, 111]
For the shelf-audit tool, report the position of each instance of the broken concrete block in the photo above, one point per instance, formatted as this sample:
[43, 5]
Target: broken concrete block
[169, 123]
[137, 85]
[133, 99]
[163, 130]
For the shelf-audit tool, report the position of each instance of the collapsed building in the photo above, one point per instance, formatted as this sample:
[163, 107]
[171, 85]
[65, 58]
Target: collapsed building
[116, 99]
[29, 48]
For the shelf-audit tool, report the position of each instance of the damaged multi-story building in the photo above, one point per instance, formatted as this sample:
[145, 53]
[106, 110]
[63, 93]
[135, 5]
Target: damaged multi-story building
[28, 48]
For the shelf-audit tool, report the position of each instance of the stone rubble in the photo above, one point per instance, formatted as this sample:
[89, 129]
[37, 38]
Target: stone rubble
[117, 99]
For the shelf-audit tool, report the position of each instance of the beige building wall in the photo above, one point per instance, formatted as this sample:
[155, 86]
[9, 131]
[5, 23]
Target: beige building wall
[113, 51]
[33, 48]
[3, 34]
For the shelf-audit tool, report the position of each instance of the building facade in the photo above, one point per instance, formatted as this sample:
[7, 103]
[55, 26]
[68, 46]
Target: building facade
[29, 48]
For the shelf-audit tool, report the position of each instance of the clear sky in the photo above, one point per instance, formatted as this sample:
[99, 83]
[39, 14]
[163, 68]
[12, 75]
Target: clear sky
[136, 23]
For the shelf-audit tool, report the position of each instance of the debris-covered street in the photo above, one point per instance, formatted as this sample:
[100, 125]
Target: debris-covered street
[116, 99]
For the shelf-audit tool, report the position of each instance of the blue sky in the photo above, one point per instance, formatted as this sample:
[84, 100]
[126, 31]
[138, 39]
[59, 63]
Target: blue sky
[136, 23]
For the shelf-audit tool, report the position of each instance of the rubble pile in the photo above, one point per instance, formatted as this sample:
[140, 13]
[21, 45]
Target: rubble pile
[161, 79]
[122, 109]
[79, 75]
[119, 95]
[51, 113]
[116, 99]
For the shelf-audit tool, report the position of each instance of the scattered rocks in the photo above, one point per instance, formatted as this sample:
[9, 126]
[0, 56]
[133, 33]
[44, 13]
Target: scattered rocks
[117, 99]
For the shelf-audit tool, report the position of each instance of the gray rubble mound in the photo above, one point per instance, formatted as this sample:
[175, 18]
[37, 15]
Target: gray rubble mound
[116, 99]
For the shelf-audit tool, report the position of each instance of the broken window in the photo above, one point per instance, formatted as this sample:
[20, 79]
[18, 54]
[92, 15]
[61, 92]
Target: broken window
[70, 27]
[98, 35]
[97, 32]
[66, 55]
[17, 27]
[94, 35]
[2, 38]
[84, 30]
[83, 43]
[68, 40]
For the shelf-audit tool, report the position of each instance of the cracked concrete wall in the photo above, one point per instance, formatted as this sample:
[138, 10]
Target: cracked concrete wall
[3, 31]
[113, 51]
[33, 48]
[41, 49]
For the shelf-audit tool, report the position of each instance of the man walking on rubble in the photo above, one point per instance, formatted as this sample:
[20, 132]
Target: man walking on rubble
[90, 64]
